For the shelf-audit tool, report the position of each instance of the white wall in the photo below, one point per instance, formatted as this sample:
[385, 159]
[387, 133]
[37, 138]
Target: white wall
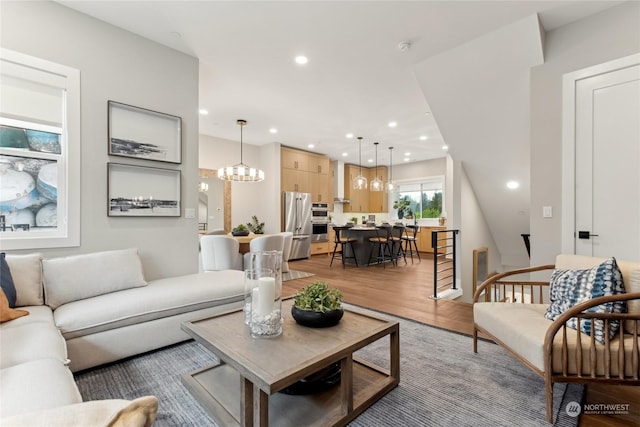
[117, 65]
[474, 233]
[248, 198]
[609, 35]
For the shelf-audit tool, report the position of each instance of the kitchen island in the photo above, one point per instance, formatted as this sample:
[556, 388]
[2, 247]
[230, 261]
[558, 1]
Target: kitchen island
[361, 245]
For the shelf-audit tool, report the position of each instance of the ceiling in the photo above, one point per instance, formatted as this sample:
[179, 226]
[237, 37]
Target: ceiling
[357, 79]
[463, 81]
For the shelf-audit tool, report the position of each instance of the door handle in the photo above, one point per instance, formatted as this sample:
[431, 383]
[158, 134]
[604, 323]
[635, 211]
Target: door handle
[585, 235]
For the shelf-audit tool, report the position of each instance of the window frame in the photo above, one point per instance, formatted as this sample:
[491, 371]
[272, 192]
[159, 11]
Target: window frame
[420, 182]
[67, 232]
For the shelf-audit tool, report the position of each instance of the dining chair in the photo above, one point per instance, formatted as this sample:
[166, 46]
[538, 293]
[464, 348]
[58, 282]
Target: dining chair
[220, 252]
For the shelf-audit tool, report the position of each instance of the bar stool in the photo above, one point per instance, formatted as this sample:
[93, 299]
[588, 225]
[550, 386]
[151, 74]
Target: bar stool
[381, 242]
[397, 243]
[343, 240]
[411, 241]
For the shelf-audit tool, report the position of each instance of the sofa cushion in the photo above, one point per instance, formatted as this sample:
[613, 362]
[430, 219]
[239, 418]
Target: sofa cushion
[26, 271]
[6, 281]
[37, 385]
[7, 313]
[88, 275]
[571, 287]
[522, 328]
[140, 412]
[31, 341]
[160, 298]
[37, 313]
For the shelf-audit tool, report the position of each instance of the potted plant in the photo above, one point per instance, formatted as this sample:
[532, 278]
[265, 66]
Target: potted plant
[255, 225]
[240, 230]
[317, 305]
[401, 205]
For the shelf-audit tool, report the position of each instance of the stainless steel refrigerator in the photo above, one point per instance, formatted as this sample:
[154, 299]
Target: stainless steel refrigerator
[297, 219]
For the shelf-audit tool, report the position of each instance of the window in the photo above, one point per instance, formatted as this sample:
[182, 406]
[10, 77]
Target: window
[39, 153]
[420, 199]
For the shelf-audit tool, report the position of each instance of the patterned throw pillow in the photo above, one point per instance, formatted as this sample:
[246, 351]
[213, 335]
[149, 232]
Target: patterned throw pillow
[570, 287]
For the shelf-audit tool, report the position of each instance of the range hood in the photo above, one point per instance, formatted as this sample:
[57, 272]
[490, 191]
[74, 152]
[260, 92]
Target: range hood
[338, 182]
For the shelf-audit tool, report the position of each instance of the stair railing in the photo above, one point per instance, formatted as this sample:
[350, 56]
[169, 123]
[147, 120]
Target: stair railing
[444, 244]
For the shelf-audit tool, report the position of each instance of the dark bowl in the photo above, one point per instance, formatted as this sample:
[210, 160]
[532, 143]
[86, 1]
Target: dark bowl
[316, 319]
[240, 233]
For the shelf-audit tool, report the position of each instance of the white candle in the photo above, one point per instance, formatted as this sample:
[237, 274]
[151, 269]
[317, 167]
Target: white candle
[254, 297]
[266, 295]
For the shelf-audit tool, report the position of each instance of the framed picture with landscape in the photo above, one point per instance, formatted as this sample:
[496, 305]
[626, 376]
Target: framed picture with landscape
[144, 134]
[142, 191]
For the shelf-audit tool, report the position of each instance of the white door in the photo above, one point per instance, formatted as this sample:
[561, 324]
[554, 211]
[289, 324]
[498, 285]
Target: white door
[606, 160]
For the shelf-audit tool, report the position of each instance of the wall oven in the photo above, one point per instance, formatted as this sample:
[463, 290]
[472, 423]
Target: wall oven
[319, 222]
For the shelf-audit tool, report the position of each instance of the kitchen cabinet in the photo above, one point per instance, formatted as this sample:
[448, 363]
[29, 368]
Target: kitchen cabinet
[293, 159]
[358, 199]
[378, 200]
[319, 187]
[295, 180]
[332, 179]
[364, 200]
[305, 172]
[424, 238]
[318, 248]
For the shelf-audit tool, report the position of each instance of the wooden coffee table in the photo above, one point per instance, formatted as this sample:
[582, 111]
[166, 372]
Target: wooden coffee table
[243, 388]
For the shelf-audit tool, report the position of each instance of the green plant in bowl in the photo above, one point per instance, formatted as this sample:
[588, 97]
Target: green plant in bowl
[317, 305]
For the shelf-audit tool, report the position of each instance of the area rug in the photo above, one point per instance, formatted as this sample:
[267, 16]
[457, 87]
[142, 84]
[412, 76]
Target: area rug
[442, 383]
[295, 274]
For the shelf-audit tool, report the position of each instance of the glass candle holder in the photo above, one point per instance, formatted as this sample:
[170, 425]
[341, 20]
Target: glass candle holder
[265, 320]
[251, 280]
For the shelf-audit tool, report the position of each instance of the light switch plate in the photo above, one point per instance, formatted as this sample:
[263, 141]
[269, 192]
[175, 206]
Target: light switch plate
[547, 212]
[189, 213]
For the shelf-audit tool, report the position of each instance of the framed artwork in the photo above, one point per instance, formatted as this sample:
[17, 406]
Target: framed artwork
[144, 134]
[142, 191]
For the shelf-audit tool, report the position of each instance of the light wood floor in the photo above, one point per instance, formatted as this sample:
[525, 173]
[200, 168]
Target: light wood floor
[404, 291]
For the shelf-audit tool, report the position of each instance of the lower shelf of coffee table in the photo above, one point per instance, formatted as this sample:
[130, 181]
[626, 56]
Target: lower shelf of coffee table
[217, 388]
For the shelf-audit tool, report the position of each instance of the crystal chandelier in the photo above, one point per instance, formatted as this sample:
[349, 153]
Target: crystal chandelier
[391, 187]
[240, 172]
[376, 183]
[360, 182]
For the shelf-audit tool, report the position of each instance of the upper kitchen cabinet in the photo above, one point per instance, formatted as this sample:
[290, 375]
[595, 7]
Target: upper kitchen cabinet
[318, 164]
[358, 199]
[378, 200]
[306, 173]
[293, 159]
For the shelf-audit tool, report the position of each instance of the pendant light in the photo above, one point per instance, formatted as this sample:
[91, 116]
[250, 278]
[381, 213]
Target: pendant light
[360, 182]
[391, 187]
[376, 183]
[240, 172]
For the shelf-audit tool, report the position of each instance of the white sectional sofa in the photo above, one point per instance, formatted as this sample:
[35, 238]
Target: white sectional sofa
[91, 309]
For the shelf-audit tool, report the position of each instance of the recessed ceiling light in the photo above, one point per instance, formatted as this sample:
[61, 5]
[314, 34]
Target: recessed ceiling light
[370, 161]
[203, 112]
[345, 154]
[301, 59]
[427, 113]
[423, 138]
[310, 146]
[406, 159]
[349, 135]
[393, 124]
[445, 147]
[407, 154]
[513, 185]
[273, 130]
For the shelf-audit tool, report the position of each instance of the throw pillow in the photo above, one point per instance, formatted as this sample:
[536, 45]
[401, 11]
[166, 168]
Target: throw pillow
[6, 281]
[7, 313]
[571, 287]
